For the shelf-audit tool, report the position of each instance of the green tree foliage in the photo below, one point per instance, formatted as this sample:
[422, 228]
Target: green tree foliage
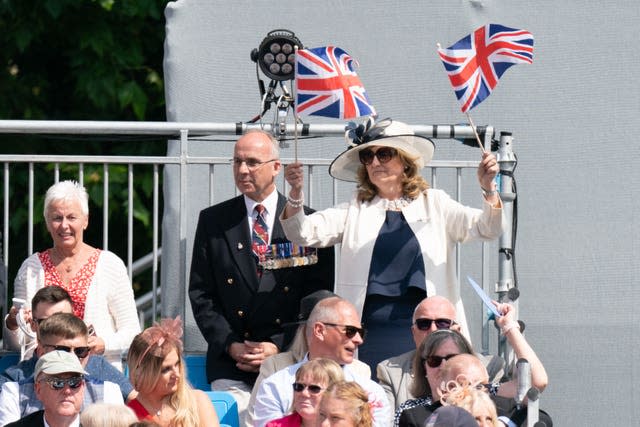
[82, 60]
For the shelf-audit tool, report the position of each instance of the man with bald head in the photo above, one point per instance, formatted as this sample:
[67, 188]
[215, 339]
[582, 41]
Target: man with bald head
[246, 278]
[334, 332]
[395, 374]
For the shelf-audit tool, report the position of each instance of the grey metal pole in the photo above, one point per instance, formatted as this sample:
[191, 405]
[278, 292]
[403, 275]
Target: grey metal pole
[505, 287]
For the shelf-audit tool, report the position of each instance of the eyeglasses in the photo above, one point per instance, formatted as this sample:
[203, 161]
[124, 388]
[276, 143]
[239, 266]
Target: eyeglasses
[383, 154]
[424, 324]
[58, 383]
[80, 352]
[349, 331]
[435, 361]
[252, 164]
[313, 388]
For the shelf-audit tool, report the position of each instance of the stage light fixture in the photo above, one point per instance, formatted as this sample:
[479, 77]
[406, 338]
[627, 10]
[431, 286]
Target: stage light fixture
[276, 54]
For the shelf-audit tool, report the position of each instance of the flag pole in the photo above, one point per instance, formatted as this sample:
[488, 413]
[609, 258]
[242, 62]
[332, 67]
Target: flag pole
[295, 107]
[475, 132]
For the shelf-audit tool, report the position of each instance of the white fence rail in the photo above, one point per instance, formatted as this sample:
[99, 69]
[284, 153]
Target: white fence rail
[136, 165]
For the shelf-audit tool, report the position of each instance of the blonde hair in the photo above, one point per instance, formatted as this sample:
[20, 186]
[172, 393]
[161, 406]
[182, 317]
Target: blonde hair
[356, 400]
[322, 370]
[412, 182]
[460, 392]
[146, 355]
[107, 415]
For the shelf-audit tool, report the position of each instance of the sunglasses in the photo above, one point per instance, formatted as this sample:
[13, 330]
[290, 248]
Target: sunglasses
[424, 324]
[435, 361]
[59, 383]
[313, 388]
[349, 331]
[80, 352]
[383, 155]
[39, 321]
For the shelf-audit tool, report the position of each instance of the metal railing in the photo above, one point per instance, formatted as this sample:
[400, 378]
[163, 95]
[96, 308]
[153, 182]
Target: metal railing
[182, 133]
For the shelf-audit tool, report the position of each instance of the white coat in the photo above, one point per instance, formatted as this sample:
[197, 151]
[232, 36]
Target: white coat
[437, 221]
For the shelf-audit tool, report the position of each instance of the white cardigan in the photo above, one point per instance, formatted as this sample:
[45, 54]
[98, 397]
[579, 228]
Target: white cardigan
[437, 221]
[110, 305]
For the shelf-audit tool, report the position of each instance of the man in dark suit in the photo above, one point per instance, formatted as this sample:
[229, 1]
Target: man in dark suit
[59, 384]
[241, 295]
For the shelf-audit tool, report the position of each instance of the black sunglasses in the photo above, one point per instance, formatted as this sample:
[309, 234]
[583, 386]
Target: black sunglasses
[383, 154]
[80, 352]
[424, 324]
[435, 361]
[59, 383]
[313, 388]
[349, 331]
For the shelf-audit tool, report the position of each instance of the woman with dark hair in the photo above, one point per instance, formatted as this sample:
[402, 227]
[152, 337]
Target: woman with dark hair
[397, 235]
[157, 372]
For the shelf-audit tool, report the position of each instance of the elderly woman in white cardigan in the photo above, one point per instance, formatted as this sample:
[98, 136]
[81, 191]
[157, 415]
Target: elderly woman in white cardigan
[96, 279]
[398, 236]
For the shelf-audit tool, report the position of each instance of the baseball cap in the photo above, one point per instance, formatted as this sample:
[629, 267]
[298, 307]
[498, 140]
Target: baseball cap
[58, 362]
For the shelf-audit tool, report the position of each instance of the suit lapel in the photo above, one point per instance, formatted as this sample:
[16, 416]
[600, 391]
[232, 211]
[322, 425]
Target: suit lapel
[238, 239]
[277, 235]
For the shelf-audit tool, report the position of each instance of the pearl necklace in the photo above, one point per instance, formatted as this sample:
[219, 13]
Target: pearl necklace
[396, 204]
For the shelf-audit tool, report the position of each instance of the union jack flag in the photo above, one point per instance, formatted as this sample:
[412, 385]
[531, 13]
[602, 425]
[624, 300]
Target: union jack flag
[475, 63]
[327, 85]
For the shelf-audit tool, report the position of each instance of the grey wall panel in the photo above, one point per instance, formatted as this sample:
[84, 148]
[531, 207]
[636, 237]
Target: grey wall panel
[574, 117]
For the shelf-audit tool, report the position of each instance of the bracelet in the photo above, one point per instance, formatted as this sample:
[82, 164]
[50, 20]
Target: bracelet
[296, 203]
[488, 193]
[509, 326]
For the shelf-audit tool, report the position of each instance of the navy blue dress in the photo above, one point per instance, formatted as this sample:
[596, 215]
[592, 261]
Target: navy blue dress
[396, 285]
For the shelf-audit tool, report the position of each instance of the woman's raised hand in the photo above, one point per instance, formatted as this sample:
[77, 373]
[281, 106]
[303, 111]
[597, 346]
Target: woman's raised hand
[294, 174]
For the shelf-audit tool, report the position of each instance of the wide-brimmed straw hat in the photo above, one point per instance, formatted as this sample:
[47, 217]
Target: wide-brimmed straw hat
[384, 133]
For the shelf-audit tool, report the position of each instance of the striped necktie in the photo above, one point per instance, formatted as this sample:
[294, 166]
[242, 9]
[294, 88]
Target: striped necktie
[259, 236]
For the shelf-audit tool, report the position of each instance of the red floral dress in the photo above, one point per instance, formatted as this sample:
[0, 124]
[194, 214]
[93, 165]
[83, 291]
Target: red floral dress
[78, 287]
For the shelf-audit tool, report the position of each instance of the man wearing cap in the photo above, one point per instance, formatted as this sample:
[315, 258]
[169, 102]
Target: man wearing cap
[60, 386]
[334, 332]
[246, 278]
[18, 399]
[398, 236]
[395, 374]
[46, 302]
